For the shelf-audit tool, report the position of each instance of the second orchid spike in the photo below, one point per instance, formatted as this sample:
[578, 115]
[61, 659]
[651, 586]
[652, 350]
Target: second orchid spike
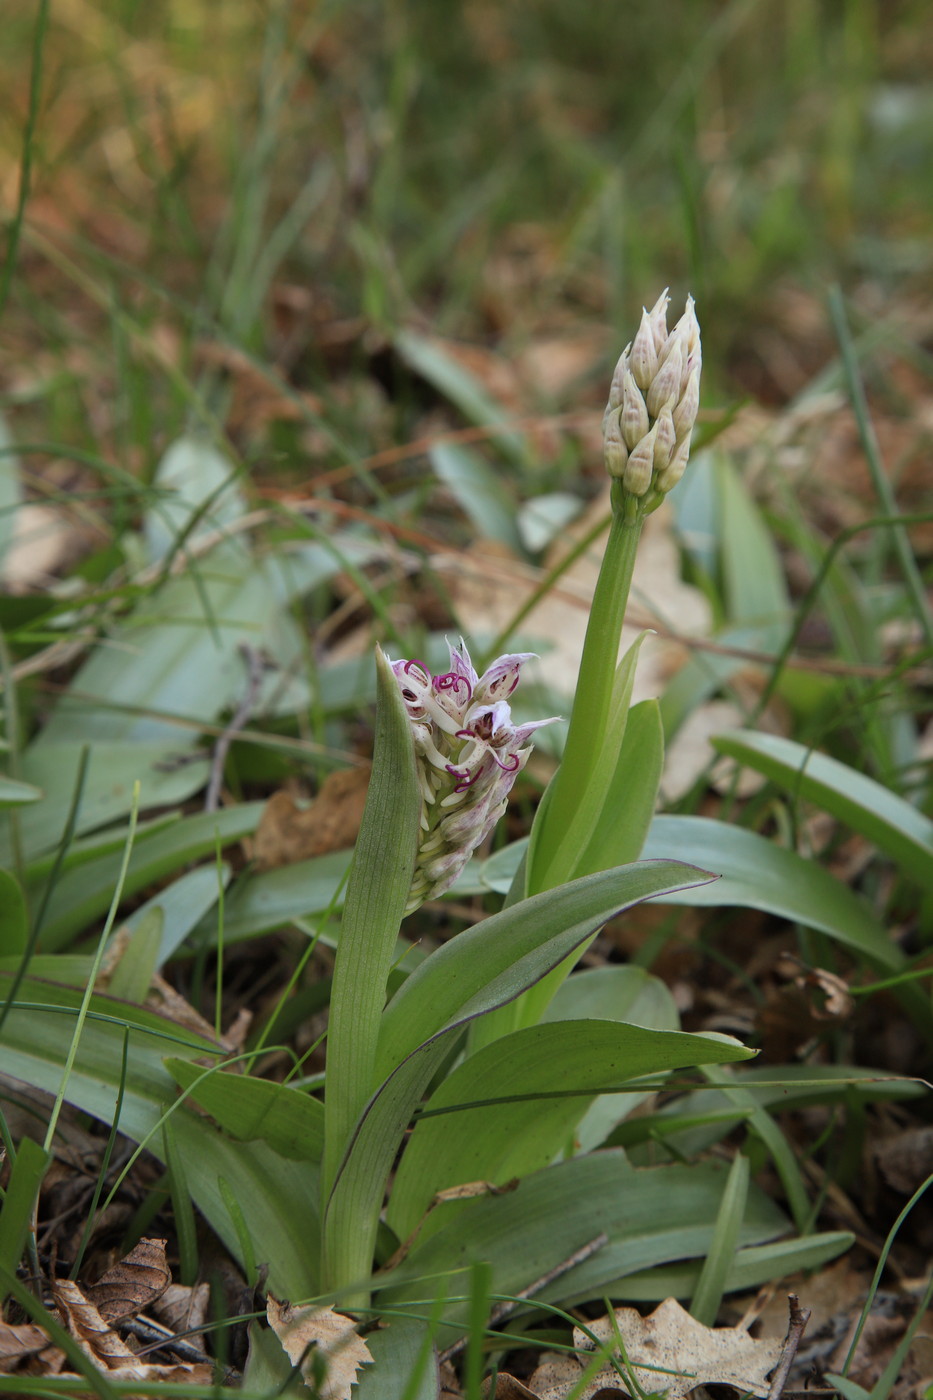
[653, 405]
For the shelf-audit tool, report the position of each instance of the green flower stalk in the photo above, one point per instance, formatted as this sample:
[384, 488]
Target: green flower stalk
[647, 429]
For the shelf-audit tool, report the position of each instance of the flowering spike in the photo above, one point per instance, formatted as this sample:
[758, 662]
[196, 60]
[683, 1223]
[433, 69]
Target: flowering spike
[469, 753]
[653, 406]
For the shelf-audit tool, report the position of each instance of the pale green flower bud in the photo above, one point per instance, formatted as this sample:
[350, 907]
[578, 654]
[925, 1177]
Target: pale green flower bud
[668, 479]
[685, 414]
[643, 357]
[615, 452]
[665, 440]
[618, 378]
[665, 386]
[657, 318]
[688, 329]
[640, 466]
[634, 412]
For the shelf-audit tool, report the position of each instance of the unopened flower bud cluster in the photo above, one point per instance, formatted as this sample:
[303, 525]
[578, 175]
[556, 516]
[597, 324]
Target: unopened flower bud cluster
[653, 403]
[469, 753]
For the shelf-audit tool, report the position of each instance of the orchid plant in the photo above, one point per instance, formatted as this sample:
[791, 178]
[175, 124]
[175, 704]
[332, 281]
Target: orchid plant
[476, 1100]
[447, 754]
[453, 1075]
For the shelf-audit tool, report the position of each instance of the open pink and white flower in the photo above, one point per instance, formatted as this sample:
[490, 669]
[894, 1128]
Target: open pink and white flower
[469, 754]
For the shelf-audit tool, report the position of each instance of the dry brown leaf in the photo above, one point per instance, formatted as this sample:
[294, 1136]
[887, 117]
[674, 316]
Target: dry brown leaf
[308, 1334]
[287, 834]
[508, 1388]
[98, 1341]
[132, 1285]
[44, 543]
[184, 1309]
[905, 1159]
[683, 1352]
[18, 1342]
[555, 1376]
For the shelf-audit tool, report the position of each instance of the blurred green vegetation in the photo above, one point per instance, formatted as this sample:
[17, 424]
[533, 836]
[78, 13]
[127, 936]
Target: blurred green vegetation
[490, 171]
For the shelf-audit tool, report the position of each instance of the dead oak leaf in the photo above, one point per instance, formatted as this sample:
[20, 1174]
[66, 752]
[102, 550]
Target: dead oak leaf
[312, 1335]
[96, 1339]
[681, 1352]
[132, 1285]
[287, 833]
[18, 1342]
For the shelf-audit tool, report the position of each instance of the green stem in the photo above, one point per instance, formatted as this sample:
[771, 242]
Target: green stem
[554, 852]
[593, 700]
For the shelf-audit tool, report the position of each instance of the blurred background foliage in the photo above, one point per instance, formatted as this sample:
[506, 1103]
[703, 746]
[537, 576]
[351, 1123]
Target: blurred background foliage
[301, 179]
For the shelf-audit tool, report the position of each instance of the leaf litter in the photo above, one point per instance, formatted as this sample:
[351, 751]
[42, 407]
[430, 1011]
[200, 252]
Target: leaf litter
[106, 1320]
[666, 1351]
[323, 1343]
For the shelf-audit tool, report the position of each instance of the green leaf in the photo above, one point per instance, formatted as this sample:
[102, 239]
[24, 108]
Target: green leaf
[282, 1194]
[428, 359]
[707, 1296]
[112, 770]
[288, 1120]
[488, 965]
[178, 657]
[848, 1389]
[542, 519]
[377, 893]
[751, 1267]
[19, 1199]
[612, 993]
[698, 1120]
[83, 893]
[498, 872]
[10, 489]
[703, 675]
[752, 574]
[479, 491]
[632, 795]
[757, 874]
[405, 1363]
[652, 1216]
[869, 807]
[198, 494]
[272, 899]
[14, 916]
[181, 906]
[133, 974]
[182, 1209]
[507, 1114]
[14, 794]
[478, 971]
